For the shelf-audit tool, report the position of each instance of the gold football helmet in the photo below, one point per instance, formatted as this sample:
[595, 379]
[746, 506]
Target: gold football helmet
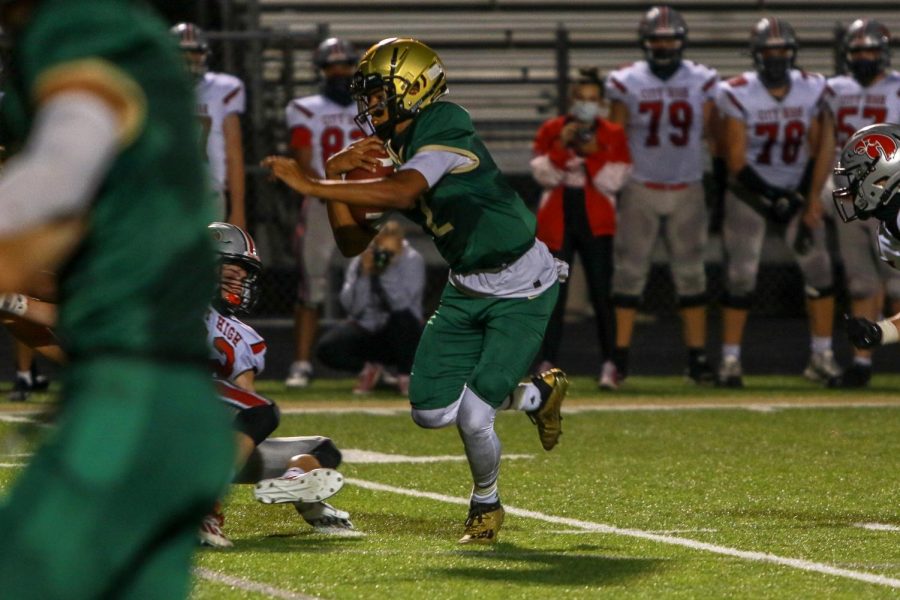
[405, 75]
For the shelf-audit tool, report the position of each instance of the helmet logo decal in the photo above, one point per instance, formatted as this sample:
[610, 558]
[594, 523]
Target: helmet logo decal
[876, 144]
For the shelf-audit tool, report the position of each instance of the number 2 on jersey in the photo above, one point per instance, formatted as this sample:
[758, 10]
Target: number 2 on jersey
[680, 115]
[223, 369]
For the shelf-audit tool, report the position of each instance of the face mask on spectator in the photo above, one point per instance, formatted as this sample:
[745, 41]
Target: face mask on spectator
[585, 111]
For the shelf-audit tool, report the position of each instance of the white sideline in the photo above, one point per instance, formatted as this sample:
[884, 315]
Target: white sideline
[250, 586]
[796, 563]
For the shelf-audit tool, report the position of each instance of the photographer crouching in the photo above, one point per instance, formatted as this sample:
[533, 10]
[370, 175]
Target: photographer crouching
[382, 295]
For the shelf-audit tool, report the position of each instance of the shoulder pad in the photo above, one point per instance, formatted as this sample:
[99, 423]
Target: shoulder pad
[738, 81]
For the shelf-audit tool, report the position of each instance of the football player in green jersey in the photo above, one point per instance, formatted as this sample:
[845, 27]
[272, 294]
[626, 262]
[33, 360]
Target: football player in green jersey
[503, 285]
[105, 187]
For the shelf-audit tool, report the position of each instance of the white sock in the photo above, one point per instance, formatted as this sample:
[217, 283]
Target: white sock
[820, 344]
[525, 397]
[305, 365]
[26, 375]
[733, 350]
[486, 495]
[294, 472]
[863, 361]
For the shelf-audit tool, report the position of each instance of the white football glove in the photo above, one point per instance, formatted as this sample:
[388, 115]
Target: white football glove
[562, 270]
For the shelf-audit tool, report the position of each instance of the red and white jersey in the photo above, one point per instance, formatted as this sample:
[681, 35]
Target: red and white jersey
[665, 119]
[235, 347]
[855, 106]
[218, 95]
[325, 126]
[776, 130]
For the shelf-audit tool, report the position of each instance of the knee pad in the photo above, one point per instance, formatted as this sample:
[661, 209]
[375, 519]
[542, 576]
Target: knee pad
[740, 302]
[814, 293]
[271, 457]
[258, 422]
[435, 418]
[327, 454]
[626, 301]
[492, 382]
[476, 416]
[693, 301]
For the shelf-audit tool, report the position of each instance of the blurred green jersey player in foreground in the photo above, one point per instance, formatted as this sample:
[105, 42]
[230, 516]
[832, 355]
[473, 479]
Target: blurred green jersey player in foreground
[106, 189]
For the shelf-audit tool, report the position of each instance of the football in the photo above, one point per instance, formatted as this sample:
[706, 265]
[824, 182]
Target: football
[365, 217]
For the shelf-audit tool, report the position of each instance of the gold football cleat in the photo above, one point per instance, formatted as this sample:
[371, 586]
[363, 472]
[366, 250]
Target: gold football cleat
[483, 524]
[553, 385]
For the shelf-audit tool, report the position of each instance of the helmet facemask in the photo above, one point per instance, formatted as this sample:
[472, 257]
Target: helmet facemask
[773, 64]
[377, 104]
[863, 68]
[665, 59]
[238, 289]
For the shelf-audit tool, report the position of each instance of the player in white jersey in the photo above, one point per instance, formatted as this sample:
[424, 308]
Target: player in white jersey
[221, 100]
[665, 105]
[778, 146]
[237, 357]
[867, 186]
[320, 125]
[869, 93]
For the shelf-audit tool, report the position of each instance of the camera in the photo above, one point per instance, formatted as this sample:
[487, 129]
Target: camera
[584, 134]
[381, 258]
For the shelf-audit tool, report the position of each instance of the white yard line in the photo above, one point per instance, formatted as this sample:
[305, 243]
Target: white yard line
[17, 418]
[755, 406]
[11, 465]
[250, 586]
[877, 526]
[352, 455]
[796, 563]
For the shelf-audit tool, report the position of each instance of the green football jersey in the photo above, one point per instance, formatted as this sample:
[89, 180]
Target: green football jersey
[476, 219]
[140, 280]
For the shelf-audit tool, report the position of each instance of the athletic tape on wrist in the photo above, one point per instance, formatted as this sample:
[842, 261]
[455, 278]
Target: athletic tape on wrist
[889, 333]
[15, 304]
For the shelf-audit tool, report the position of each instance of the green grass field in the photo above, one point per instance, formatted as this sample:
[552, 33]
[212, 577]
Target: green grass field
[659, 490]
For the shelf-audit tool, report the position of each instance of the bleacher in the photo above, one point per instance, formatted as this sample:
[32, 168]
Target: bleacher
[502, 55]
[503, 60]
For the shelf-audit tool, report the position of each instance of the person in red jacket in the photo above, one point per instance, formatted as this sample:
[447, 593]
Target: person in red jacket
[582, 161]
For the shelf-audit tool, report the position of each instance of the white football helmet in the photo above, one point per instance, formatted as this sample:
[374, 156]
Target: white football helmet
[867, 175]
[194, 44]
[235, 247]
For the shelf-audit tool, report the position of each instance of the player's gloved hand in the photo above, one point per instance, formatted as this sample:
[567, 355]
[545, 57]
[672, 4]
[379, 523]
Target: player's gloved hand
[785, 205]
[562, 270]
[862, 332]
